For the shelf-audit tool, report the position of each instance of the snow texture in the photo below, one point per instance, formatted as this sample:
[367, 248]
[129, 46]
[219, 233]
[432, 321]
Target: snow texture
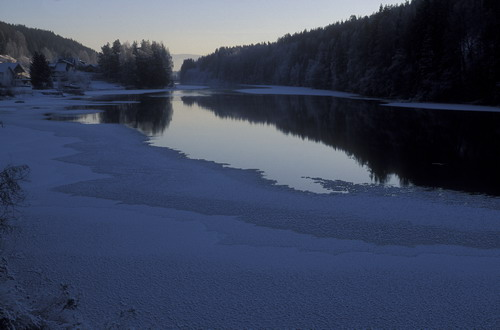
[134, 236]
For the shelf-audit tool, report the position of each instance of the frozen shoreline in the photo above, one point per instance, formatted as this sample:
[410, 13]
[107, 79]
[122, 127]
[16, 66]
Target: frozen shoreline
[288, 90]
[145, 237]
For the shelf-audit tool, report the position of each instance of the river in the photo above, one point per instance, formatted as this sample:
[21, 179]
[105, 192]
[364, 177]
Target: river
[317, 143]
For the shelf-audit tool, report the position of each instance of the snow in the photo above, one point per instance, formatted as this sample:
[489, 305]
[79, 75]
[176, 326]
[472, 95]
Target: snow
[443, 106]
[101, 88]
[288, 90]
[143, 237]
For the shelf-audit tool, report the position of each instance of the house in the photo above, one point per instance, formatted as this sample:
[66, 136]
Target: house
[61, 68]
[20, 76]
[7, 75]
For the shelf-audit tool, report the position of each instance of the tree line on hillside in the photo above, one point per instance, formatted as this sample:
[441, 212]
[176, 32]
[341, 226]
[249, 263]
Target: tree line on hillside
[144, 65]
[441, 50]
[21, 42]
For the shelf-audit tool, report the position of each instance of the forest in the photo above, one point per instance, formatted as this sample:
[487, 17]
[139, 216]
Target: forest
[144, 65]
[426, 50]
[21, 42]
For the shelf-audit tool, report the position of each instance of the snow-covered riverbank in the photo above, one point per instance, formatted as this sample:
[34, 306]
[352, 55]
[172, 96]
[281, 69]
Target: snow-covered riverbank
[289, 90]
[143, 237]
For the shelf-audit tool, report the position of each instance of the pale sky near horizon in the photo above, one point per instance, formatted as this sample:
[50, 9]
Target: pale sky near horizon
[184, 26]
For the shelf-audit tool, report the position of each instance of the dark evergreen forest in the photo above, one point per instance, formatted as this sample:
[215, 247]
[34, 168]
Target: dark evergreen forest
[440, 50]
[144, 65]
[22, 42]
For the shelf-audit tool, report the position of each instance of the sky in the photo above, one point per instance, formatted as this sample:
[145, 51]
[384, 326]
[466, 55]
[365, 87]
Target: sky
[184, 26]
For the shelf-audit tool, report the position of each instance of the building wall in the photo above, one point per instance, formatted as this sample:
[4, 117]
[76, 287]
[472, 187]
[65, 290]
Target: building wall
[6, 78]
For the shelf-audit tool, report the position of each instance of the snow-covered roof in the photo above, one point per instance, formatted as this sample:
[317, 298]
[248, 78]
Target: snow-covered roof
[16, 67]
[61, 67]
[7, 59]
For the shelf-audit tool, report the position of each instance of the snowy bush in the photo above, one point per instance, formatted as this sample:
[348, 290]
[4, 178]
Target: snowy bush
[11, 193]
[52, 310]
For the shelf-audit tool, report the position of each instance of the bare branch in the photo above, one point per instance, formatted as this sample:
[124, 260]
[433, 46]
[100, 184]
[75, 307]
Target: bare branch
[11, 193]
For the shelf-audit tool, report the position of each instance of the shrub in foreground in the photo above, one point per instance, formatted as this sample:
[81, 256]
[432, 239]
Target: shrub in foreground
[11, 193]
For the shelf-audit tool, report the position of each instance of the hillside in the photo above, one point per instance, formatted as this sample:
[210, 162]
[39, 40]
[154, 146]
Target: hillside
[20, 42]
[439, 50]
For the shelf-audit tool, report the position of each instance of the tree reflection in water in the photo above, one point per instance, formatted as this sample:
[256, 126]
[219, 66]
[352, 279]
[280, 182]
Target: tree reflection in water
[435, 148]
[457, 150]
[148, 114]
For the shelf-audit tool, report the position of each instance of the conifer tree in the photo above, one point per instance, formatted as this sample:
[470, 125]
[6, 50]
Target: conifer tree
[144, 65]
[40, 72]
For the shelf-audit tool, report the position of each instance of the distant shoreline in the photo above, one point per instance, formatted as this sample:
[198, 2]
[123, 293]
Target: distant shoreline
[287, 90]
[99, 87]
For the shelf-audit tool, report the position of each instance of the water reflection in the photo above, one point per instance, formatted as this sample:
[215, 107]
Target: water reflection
[448, 149]
[151, 116]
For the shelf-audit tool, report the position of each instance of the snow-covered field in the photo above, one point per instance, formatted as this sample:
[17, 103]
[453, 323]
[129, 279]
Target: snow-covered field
[119, 234]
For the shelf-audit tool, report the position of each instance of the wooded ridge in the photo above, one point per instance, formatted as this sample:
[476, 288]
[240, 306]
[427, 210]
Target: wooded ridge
[440, 50]
[21, 42]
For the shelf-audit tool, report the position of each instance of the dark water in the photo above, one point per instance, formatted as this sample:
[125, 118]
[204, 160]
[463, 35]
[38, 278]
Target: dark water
[295, 138]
